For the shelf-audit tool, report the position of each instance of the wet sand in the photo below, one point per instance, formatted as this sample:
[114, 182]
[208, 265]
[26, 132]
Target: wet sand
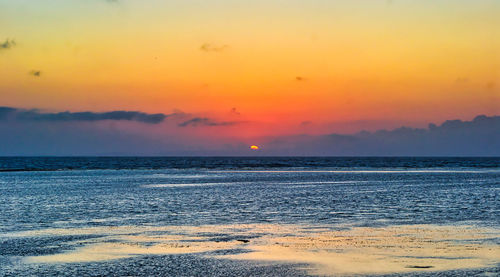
[326, 251]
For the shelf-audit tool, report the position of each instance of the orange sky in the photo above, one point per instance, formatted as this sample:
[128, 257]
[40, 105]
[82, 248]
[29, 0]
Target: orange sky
[285, 66]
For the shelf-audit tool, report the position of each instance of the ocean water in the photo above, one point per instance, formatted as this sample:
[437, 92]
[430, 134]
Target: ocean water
[52, 206]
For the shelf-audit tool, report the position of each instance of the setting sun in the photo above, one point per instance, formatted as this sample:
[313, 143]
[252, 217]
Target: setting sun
[254, 147]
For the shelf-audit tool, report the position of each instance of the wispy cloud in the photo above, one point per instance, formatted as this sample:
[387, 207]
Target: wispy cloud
[7, 44]
[234, 111]
[207, 47]
[35, 73]
[204, 121]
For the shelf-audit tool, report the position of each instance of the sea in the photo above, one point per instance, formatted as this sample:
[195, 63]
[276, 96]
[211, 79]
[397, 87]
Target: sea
[208, 216]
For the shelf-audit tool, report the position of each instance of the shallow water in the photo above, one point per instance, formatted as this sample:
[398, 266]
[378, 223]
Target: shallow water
[55, 208]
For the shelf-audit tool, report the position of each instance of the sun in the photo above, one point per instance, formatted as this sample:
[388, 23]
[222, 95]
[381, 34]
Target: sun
[254, 147]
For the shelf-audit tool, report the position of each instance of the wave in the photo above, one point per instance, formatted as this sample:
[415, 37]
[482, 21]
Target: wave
[19, 164]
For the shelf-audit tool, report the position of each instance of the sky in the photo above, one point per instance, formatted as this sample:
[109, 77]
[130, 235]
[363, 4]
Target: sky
[215, 77]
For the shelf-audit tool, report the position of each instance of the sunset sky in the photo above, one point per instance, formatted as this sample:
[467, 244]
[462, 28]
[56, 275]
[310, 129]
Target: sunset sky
[252, 69]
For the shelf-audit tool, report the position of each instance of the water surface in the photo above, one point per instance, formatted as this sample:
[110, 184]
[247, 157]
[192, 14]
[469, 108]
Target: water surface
[48, 204]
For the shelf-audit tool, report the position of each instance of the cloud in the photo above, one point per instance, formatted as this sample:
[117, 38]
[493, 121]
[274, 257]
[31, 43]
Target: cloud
[7, 113]
[207, 47]
[234, 111]
[15, 114]
[34, 132]
[299, 78]
[204, 121]
[479, 137]
[7, 44]
[35, 73]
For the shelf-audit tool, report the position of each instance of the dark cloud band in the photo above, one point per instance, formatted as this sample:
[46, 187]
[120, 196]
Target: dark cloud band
[36, 115]
[479, 137]
[10, 113]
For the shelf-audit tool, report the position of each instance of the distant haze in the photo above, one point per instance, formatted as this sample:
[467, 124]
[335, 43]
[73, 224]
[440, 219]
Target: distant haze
[33, 132]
